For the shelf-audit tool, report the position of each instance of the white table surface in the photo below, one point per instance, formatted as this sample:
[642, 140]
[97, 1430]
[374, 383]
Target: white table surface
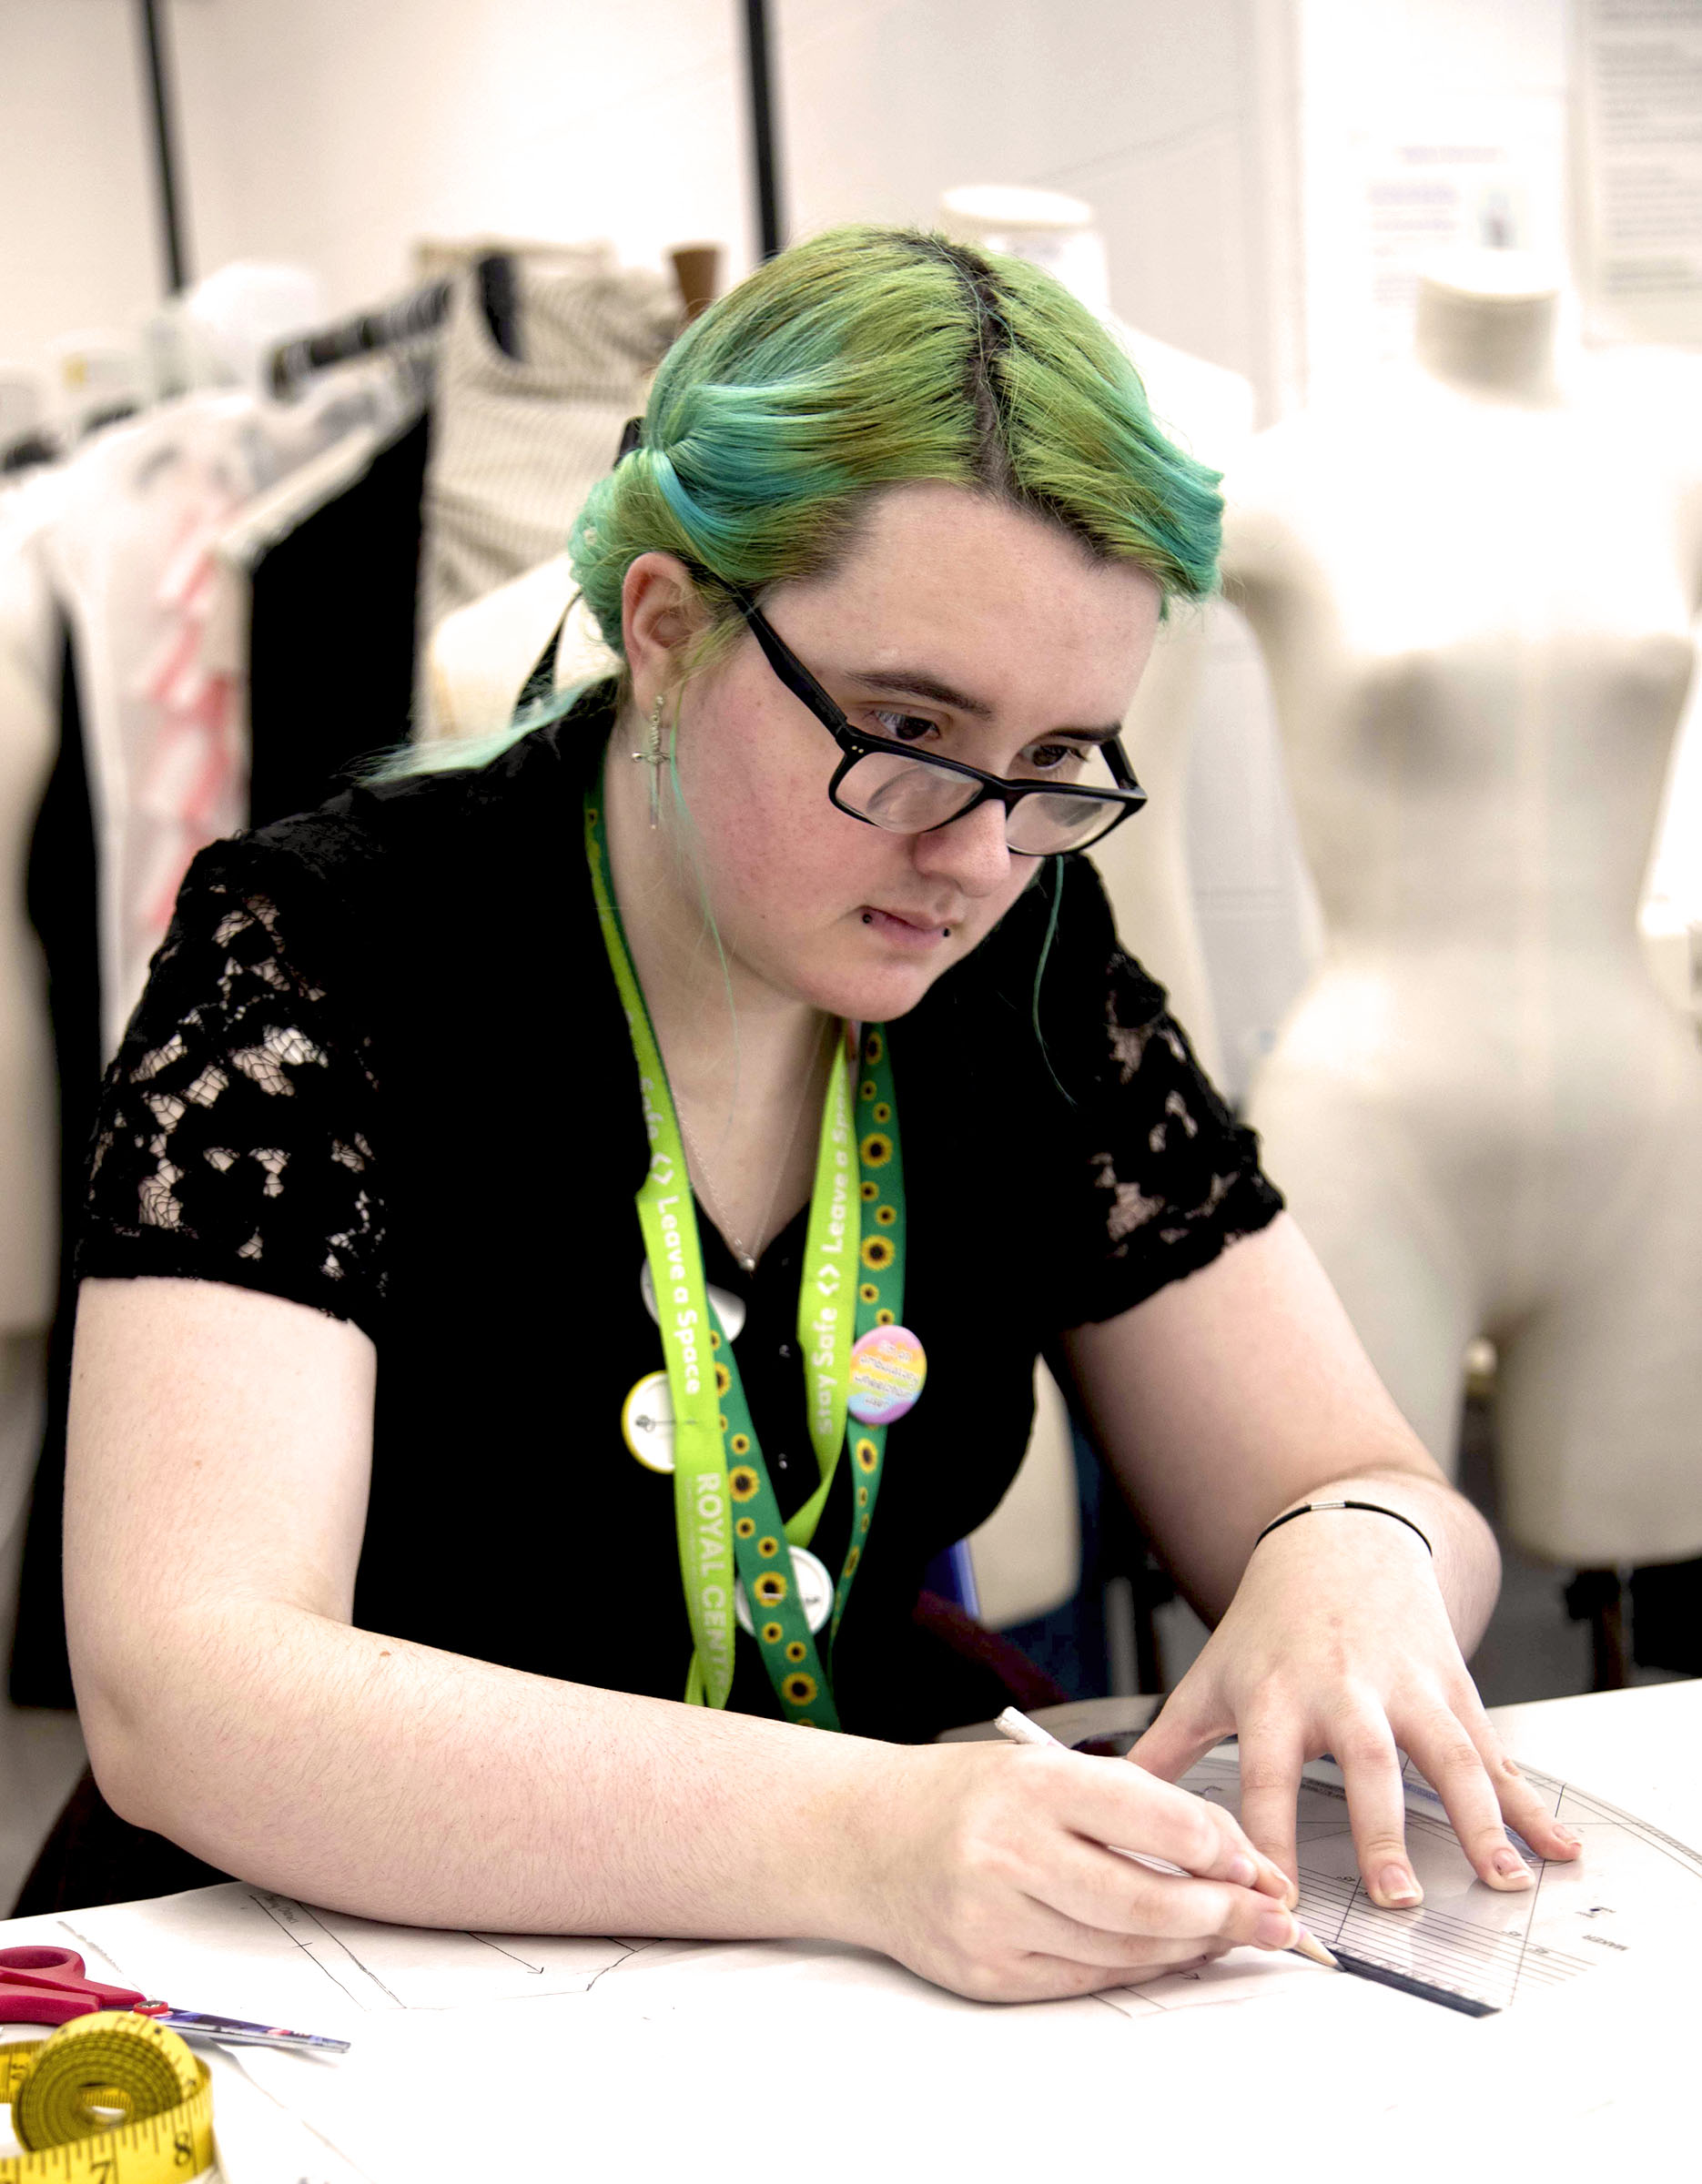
[837, 2065]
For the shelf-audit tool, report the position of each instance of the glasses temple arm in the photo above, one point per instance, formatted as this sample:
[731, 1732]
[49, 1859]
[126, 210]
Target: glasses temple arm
[788, 667]
[1122, 773]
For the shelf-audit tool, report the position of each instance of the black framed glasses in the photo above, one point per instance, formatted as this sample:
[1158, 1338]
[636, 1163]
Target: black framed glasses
[905, 792]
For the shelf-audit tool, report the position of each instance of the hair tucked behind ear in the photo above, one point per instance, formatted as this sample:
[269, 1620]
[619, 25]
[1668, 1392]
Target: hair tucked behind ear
[868, 358]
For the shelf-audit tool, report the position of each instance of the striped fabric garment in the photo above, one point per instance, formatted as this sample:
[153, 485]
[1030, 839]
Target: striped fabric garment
[517, 441]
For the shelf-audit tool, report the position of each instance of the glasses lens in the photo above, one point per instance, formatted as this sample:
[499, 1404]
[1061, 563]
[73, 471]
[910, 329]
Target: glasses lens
[908, 796]
[1043, 826]
[902, 795]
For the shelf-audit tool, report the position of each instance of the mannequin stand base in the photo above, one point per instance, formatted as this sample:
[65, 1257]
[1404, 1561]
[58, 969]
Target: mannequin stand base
[1598, 1598]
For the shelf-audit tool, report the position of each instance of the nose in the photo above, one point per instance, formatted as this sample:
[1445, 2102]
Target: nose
[972, 853]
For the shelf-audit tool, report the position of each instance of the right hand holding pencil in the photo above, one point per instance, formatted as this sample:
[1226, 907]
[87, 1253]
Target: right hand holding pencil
[986, 1868]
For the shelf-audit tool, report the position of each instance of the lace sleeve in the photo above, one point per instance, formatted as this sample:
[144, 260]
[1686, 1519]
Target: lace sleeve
[1169, 1177]
[235, 1136]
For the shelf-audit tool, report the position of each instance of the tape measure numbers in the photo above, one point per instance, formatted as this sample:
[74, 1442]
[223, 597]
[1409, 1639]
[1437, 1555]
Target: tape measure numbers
[109, 2099]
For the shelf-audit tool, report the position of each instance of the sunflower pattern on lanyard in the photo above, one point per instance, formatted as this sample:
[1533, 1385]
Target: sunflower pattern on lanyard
[789, 1648]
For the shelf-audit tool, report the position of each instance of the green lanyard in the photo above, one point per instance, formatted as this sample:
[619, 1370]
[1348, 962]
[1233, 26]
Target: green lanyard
[727, 1513]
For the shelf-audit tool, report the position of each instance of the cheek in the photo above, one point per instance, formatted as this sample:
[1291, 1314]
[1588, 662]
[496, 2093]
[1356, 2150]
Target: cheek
[775, 847]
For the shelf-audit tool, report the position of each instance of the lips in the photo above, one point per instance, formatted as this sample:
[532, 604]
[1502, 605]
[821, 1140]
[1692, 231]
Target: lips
[908, 927]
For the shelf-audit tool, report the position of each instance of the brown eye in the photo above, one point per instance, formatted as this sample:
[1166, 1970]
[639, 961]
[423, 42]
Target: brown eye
[902, 727]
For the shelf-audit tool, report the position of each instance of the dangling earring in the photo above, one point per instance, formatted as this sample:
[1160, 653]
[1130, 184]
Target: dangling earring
[651, 756]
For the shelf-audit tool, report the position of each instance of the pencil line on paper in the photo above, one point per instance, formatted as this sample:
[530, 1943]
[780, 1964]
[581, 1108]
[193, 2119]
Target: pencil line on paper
[337, 1942]
[631, 1949]
[237, 2062]
[500, 1951]
[1541, 1870]
[262, 1904]
[93, 1948]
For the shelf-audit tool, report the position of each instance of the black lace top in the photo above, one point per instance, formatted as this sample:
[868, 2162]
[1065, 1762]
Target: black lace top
[381, 1069]
[235, 1137]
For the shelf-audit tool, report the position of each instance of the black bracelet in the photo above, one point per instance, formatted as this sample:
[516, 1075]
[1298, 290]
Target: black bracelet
[1376, 1508]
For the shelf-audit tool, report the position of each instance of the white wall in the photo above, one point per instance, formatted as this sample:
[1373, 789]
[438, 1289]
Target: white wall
[1413, 115]
[78, 249]
[1162, 115]
[335, 135]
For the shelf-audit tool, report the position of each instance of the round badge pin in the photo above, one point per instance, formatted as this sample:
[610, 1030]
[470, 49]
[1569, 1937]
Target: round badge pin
[647, 1422]
[888, 1367]
[816, 1592]
[729, 1308]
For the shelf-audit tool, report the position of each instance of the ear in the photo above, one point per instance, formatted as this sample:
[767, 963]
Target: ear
[661, 613]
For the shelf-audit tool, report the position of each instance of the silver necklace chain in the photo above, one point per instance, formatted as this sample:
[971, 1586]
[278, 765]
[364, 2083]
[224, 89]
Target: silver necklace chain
[700, 1171]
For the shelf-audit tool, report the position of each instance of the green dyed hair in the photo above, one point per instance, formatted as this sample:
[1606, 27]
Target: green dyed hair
[870, 358]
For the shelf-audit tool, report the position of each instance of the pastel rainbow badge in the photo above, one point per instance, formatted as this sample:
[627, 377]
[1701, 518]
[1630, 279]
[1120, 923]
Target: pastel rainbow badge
[887, 1368]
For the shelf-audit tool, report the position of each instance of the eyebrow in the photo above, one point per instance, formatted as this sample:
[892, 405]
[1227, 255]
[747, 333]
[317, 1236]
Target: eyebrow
[904, 681]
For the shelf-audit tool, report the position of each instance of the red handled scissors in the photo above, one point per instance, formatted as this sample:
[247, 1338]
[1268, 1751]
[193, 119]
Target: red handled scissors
[49, 1986]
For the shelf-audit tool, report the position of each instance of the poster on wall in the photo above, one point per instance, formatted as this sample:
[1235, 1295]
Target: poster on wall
[1639, 168]
[1401, 188]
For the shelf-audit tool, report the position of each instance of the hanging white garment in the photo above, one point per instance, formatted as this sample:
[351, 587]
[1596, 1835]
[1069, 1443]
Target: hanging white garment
[159, 634]
[518, 443]
[394, 392]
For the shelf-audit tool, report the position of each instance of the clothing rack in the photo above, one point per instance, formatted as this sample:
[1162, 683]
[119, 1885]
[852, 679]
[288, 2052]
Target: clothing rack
[161, 115]
[27, 452]
[764, 150]
[410, 316]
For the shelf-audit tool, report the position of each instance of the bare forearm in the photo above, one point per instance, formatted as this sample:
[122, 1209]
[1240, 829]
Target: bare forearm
[215, 1510]
[1242, 1391]
[382, 1778]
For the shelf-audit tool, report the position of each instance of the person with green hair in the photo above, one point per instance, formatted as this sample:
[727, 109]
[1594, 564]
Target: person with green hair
[574, 1219]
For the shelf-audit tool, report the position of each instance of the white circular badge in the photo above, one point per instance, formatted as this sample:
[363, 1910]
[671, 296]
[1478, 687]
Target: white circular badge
[729, 1308]
[647, 1422]
[816, 1590]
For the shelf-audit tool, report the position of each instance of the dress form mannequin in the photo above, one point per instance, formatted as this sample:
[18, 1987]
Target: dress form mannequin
[479, 655]
[1210, 411]
[1475, 588]
[1028, 1554]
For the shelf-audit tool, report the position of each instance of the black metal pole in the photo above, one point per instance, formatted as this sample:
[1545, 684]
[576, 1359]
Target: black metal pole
[761, 82]
[165, 153]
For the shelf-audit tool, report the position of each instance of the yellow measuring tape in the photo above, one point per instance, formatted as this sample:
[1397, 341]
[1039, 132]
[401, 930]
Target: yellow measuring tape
[112, 2099]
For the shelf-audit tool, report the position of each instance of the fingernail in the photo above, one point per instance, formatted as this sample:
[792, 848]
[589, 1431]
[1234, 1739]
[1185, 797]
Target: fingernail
[1511, 1866]
[1241, 1871]
[1275, 1930]
[1395, 1884]
[1571, 1841]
